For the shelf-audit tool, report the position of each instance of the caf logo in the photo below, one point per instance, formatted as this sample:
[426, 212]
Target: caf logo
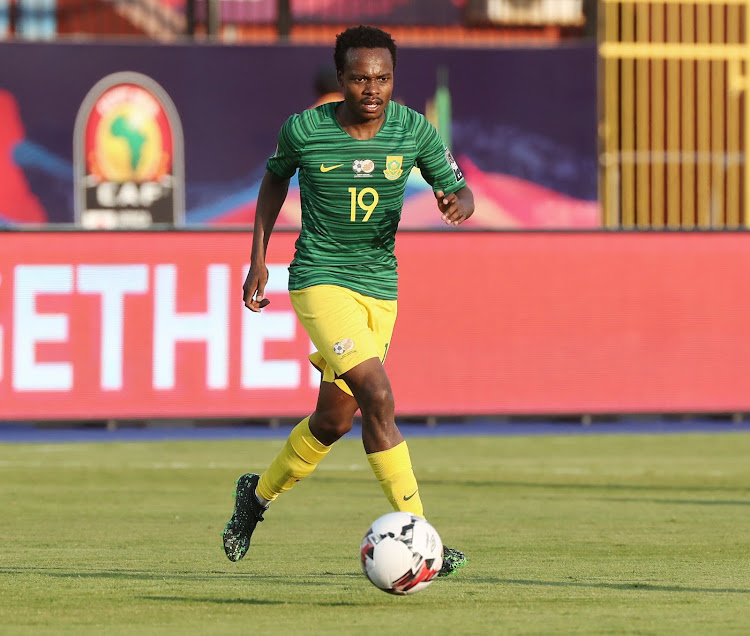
[128, 137]
[128, 155]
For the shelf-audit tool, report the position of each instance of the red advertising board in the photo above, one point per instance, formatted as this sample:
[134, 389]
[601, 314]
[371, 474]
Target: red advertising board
[128, 325]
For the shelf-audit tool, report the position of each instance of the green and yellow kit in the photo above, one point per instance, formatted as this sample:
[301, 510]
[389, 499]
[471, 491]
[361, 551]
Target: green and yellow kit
[352, 194]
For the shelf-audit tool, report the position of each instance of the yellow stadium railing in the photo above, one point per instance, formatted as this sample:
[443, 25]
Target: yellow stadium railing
[674, 116]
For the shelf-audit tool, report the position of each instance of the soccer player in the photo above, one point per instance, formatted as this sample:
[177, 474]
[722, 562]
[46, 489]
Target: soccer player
[353, 157]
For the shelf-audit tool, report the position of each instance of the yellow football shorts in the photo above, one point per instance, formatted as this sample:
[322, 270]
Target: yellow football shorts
[346, 327]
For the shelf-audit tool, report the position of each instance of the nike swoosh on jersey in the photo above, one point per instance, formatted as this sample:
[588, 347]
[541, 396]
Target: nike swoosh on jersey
[411, 495]
[324, 168]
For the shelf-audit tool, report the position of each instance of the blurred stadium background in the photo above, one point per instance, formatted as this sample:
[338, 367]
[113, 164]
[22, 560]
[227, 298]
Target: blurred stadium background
[602, 275]
[253, 21]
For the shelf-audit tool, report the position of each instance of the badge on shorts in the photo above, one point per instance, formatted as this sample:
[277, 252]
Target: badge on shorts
[393, 167]
[343, 346]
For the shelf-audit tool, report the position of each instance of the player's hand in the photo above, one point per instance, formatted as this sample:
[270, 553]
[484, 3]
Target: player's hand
[254, 288]
[452, 208]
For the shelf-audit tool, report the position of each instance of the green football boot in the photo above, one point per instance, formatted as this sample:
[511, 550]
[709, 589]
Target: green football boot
[247, 513]
[452, 561]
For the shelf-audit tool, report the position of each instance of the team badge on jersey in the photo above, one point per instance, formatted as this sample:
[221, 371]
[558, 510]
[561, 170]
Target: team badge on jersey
[454, 166]
[393, 167]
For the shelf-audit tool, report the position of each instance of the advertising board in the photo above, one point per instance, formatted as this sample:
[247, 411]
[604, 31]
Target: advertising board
[149, 324]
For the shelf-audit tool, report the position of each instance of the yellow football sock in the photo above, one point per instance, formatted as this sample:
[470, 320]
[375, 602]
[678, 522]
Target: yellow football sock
[393, 470]
[297, 460]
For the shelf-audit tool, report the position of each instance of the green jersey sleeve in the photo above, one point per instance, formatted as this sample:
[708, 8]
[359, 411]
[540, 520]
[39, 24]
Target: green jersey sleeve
[435, 161]
[289, 145]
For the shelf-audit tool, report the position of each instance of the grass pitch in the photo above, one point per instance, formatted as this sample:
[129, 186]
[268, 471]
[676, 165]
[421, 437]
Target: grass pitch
[565, 535]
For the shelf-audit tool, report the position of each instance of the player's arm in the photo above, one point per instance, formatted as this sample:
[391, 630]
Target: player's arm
[457, 206]
[441, 171]
[271, 197]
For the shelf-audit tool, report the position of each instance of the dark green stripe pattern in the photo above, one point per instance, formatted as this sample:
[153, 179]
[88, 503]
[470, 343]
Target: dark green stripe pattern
[352, 193]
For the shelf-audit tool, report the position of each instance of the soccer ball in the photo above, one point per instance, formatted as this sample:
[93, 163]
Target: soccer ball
[401, 553]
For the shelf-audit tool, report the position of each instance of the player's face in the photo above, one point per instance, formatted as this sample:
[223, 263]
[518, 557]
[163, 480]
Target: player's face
[367, 82]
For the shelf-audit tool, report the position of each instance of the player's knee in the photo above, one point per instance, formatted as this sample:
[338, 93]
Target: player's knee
[329, 426]
[378, 402]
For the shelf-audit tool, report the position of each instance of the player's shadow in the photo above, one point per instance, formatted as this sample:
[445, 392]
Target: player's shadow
[323, 578]
[64, 573]
[115, 573]
[640, 587]
[207, 599]
[244, 601]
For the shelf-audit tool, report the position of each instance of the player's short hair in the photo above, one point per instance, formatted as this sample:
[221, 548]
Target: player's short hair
[362, 37]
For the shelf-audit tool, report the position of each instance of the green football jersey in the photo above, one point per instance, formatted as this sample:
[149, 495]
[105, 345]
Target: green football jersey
[352, 193]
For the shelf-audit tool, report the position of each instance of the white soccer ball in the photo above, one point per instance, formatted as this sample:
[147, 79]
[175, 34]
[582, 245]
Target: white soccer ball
[401, 553]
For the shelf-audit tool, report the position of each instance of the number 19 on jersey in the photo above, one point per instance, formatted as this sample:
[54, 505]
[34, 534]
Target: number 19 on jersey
[359, 200]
